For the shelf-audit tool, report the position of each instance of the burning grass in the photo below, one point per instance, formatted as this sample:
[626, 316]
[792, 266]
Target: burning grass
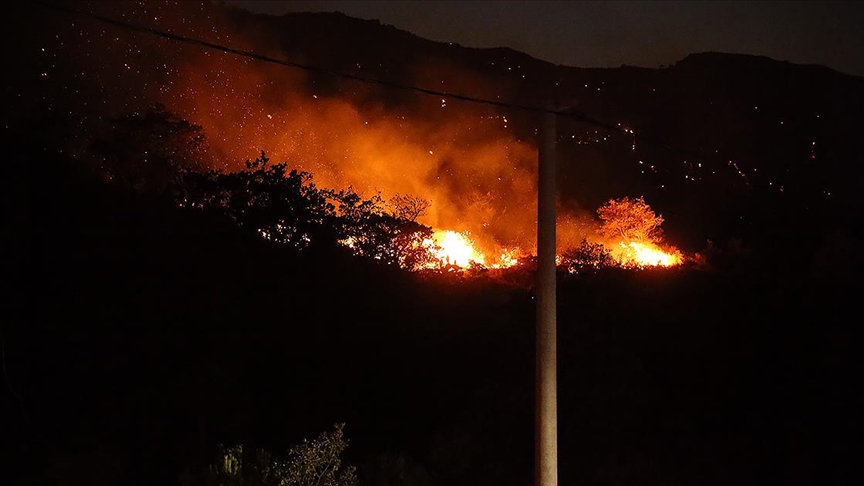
[287, 208]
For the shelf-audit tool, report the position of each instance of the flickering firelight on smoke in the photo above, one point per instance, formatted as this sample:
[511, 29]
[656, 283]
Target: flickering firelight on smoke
[479, 178]
[476, 165]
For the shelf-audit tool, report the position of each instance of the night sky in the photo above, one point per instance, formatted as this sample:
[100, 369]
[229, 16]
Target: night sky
[636, 33]
[244, 107]
[211, 251]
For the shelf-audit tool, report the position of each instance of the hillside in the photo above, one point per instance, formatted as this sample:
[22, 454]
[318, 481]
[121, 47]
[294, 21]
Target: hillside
[143, 332]
[141, 336]
[724, 134]
[725, 145]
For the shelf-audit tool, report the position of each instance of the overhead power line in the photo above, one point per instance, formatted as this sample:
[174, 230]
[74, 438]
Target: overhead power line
[283, 62]
[563, 112]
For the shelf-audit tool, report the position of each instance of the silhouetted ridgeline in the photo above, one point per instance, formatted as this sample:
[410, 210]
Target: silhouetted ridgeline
[727, 146]
[141, 336]
[138, 335]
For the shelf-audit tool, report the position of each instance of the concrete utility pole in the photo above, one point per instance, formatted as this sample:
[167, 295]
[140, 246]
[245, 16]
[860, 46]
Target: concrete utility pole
[546, 368]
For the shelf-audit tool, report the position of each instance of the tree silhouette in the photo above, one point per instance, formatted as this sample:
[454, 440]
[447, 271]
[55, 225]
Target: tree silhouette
[391, 236]
[314, 462]
[587, 256]
[408, 207]
[289, 209]
[147, 150]
[282, 207]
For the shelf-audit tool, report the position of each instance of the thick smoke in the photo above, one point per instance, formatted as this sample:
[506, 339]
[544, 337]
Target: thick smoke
[466, 159]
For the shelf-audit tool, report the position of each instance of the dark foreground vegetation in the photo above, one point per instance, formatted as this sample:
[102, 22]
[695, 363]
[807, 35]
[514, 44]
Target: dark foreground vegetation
[149, 330]
[141, 339]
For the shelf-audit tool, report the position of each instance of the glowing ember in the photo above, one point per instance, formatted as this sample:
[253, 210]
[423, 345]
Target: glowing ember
[350, 242]
[645, 254]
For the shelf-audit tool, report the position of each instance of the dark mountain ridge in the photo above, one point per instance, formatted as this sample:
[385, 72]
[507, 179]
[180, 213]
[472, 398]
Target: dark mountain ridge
[723, 145]
[140, 336]
[734, 141]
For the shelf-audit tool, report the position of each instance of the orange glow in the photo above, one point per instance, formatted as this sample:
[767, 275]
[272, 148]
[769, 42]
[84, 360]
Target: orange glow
[458, 249]
[507, 258]
[477, 171]
[452, 248]
[476, 165]
[478, 176]
[645, 255]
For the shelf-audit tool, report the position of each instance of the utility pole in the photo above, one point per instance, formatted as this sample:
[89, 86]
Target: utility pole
[546, 368]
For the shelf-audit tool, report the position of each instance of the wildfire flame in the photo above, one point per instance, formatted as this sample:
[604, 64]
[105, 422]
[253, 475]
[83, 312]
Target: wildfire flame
[645, 255]
[507, 259]
[452, 248]
[455, 248]
[474, 163]
[458, 249]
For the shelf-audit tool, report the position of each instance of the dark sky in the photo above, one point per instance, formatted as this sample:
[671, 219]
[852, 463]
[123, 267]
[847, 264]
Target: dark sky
[611, 33]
